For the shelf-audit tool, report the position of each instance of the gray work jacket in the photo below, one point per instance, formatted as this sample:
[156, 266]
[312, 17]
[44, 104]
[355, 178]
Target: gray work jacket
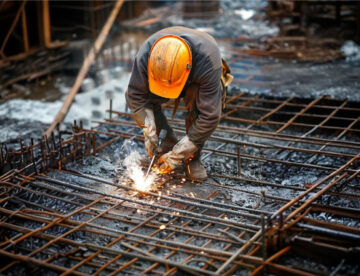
[206, 72]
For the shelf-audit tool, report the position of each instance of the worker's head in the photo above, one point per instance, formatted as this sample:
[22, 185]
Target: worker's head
[169, 66]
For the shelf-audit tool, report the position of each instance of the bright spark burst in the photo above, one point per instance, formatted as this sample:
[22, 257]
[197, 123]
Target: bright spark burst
[135, 172]
[138, 176]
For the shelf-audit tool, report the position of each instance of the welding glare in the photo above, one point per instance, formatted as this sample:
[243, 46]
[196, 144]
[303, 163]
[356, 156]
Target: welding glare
[134, 171]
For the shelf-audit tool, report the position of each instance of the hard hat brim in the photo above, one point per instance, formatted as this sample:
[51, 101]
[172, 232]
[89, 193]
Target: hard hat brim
[170, 92]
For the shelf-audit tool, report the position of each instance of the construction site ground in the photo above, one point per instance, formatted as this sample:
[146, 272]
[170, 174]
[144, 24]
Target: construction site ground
[282, 196]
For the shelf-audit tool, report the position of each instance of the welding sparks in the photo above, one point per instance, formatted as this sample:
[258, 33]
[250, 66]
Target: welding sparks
[138, 176]
[135, 172]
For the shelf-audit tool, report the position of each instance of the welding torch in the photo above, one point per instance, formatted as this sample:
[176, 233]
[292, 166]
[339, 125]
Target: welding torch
[159, 149]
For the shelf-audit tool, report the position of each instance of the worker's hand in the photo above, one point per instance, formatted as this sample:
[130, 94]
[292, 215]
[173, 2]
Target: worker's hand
[151, 139]
[183, 150]
[168, 162]
[150, 144]
[146, 120]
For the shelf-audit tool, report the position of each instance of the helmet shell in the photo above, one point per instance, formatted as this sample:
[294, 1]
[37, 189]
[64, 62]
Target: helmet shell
[169, 66]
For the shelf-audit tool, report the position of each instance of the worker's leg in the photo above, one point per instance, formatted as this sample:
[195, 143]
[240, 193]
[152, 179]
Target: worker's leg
[193, 168]
[162, 123]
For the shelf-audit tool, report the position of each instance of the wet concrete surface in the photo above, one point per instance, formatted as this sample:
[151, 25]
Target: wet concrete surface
[338, 79]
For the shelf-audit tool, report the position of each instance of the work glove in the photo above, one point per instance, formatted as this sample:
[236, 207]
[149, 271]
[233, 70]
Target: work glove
[145, 119]
[183, 150]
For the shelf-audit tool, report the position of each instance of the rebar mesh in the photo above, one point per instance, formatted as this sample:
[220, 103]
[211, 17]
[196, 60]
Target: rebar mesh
[278, 168]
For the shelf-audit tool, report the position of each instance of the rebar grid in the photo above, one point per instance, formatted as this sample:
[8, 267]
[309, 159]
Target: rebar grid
[287, 137]
[224, 219]
[176, 226]
[107, 227]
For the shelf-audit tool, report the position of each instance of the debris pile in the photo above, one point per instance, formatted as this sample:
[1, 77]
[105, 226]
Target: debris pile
[39, 65]
[310, 30]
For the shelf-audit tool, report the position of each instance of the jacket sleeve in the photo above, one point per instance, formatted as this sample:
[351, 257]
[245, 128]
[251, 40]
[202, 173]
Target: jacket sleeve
[138, 89]
[208, 103]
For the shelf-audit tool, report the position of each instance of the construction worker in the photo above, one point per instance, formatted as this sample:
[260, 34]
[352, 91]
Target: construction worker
[177, 63]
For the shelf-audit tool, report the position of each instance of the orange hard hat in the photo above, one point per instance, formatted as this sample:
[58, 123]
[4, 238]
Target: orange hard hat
[169, 66]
